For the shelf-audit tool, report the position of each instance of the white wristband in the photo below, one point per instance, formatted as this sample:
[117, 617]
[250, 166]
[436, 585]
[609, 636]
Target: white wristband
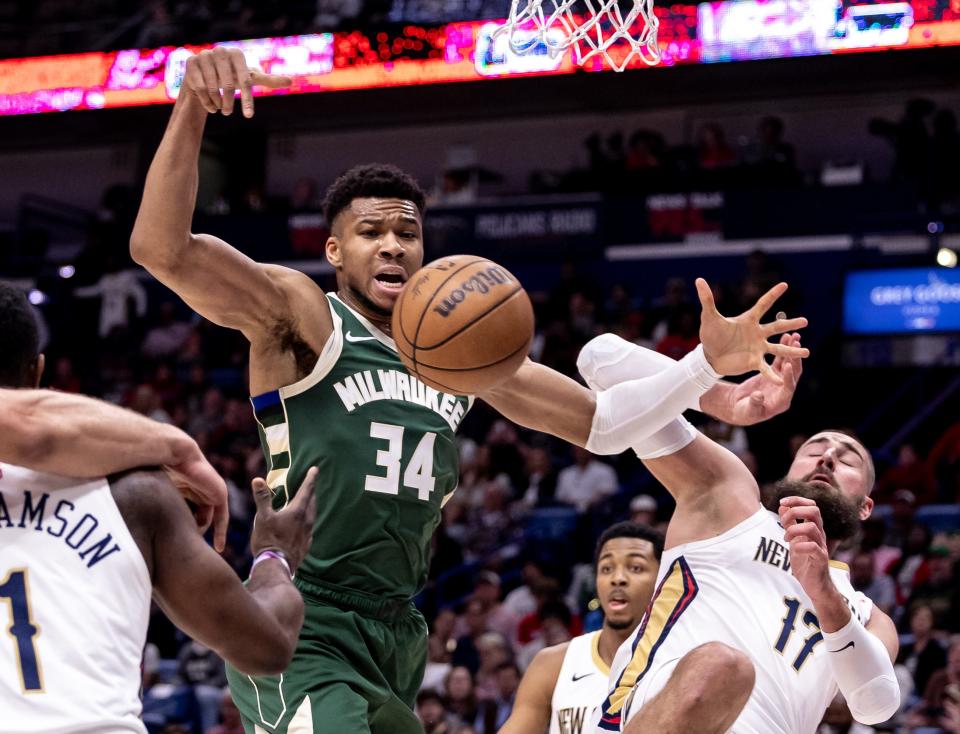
[268, 554]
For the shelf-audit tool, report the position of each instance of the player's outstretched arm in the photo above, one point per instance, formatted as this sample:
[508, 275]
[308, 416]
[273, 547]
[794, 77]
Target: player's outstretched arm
[215, 279]
[77, 436]
[254, 628]
[533, 705]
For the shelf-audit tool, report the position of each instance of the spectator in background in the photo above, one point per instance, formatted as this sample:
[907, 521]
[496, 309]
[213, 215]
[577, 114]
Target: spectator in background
[167, 338]
[63, 377]
[902, 512]
[229, 717]
[474, 621]
[542, 478]
[683, 333]
[438, 664]
[911, 567]
[495, 712]
[879, 589]
[555, 625]
[522, 600]
[713, 152]
[943, 685]
[924, 655]
[587, 482]
[461, 696]
[910, 473]
[939, 589]
[493, 651]
[771, 159]
[432, 713]
[910, 139]
[116, 289]
[643, 510]
[202, 669]
[305, 196]
[499, 617]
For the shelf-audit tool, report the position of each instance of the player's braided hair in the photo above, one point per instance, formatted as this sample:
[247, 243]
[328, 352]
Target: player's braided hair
[630, 530]
[19, 337]
[371, 180]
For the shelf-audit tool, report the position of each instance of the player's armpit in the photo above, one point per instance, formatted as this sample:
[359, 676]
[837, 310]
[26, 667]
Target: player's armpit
[707, 479]
[255, 629]
[542, 399]
[533, 705]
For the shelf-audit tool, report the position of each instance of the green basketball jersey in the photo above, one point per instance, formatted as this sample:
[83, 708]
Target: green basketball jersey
[384, 444]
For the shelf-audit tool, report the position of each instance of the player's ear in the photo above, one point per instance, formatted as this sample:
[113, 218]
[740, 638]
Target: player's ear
[38, 369]
[866, 508]
[334, 254]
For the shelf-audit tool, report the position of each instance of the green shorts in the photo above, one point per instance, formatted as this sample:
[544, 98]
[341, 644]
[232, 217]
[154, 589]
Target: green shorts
[357, 668]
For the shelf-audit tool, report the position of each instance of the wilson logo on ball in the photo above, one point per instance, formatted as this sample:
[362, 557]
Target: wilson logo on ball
[482, 283]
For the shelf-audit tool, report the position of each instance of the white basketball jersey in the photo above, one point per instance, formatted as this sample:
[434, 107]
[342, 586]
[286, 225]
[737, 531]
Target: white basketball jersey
[581, 687]
[736, 589]
[75, 599]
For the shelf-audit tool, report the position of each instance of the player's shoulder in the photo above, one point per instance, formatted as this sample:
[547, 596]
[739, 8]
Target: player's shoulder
[292, 280]
[549, 661]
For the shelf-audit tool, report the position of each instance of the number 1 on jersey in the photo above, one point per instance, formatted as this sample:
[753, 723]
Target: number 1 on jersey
[789, 621]
[15, 590]
[419, 472]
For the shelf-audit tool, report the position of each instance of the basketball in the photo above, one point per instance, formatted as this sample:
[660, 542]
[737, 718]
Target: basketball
[463, 324]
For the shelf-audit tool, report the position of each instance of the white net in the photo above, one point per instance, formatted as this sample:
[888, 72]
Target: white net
[590, 27]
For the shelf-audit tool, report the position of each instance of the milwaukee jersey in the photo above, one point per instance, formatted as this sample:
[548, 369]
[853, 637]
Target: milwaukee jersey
[581, 687]
[75, 599]
[736, 589]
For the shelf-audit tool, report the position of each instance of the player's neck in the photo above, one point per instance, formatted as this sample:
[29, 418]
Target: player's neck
[610, 641]
[361, 305]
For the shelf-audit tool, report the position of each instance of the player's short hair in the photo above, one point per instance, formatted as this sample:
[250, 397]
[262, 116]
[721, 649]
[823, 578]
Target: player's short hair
[629, 530]
[19, 337]
[371, 180]
[849, 433]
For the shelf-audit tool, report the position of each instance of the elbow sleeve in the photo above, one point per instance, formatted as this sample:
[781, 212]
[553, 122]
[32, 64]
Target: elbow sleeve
[864, 673]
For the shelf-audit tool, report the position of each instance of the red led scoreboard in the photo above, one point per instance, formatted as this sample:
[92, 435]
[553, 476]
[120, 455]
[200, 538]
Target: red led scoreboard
[708, 32]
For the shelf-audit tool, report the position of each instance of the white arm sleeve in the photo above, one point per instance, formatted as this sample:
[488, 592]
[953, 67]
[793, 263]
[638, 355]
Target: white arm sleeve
[608, 360]
[630, 412]
[864, 672]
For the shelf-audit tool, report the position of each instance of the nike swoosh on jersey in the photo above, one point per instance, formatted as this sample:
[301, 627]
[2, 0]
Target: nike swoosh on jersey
[849, 644]
[352, 338]
[580, 677]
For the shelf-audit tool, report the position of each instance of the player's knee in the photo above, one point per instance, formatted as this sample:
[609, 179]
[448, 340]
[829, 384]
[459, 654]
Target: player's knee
[721, 674]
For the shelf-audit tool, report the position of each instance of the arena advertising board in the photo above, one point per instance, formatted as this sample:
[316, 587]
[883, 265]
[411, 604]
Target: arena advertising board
[709, 32]
[902, 301]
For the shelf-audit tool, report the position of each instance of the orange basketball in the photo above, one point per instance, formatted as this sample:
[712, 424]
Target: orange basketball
[463, 324]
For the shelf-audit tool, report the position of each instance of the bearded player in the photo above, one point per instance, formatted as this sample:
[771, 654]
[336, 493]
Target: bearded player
[752, 628]
[329, 390]
[565, 683]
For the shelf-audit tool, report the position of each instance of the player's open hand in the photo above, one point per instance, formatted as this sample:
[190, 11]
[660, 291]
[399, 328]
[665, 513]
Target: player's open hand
[760, 398]
[214, 77]
[291, 529]
[809, 555]
[199, 483]
[739, 344]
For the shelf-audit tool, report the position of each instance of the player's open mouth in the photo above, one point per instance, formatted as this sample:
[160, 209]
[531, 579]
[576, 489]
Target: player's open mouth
[391, 280]
[617, 603]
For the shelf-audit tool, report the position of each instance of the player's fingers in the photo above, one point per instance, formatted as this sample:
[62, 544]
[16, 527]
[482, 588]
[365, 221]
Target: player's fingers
[221, 521]
[245, 82]
[797, 363]
[782, 326]
[301, 502]
[194, 81]
[789, 376]
[795, 501]
[807, 530]
[757, 398]
[706, 297]
[226, 80]
[262, 496]
[767, 371]
[203, 514]
[805, 548]
[271, 81]
[209, 73]
[790, 352]
[778, 361]
[765, 301]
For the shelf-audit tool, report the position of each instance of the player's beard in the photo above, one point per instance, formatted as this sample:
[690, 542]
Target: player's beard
[841, 515]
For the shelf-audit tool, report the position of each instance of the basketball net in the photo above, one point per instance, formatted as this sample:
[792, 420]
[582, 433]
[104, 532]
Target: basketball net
[595, 28]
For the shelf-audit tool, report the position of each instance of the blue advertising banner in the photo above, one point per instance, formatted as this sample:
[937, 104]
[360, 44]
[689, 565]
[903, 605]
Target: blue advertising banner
[902, 301]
